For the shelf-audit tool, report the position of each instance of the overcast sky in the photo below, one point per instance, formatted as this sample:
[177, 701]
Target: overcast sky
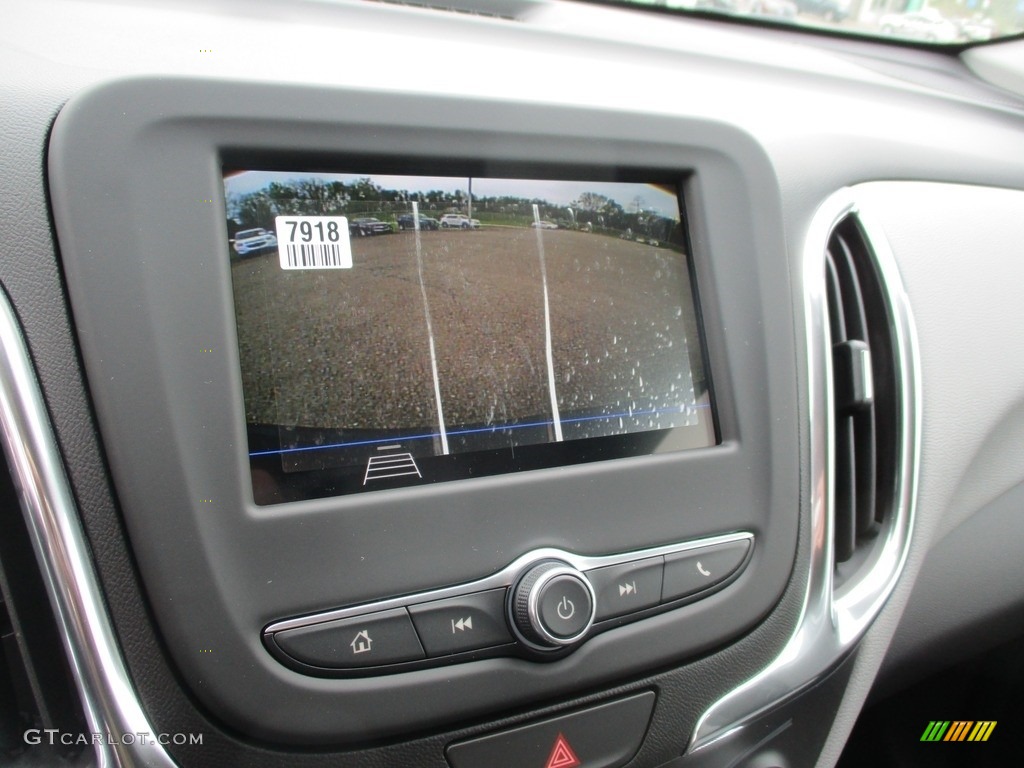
[558, 192]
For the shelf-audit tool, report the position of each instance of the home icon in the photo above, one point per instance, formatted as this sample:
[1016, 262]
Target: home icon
[361, 643]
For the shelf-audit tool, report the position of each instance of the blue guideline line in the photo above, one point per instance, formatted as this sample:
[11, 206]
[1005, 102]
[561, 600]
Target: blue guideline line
[478, 430]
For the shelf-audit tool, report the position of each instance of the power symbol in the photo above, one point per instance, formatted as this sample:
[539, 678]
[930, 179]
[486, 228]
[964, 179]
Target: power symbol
[566, 610]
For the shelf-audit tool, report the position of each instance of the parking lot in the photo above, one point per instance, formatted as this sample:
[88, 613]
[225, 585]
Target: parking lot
[349, 349]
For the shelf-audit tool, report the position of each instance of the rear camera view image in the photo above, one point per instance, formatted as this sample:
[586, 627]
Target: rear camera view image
[402, 330]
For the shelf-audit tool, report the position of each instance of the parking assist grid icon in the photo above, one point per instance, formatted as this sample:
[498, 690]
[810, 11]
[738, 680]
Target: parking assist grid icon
[385, 465]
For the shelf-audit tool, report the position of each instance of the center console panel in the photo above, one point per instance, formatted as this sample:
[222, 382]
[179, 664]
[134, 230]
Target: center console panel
[373, 615]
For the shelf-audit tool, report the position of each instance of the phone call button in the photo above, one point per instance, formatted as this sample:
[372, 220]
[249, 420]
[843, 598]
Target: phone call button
[696, 570]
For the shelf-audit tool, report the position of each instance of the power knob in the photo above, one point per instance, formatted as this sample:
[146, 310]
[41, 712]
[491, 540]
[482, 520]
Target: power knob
[552, 606]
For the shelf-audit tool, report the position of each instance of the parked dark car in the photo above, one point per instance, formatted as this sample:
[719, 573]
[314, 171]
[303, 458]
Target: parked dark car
[408, 221]
[369, 226]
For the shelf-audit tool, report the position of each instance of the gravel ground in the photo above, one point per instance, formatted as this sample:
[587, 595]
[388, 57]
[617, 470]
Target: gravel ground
[350, 349]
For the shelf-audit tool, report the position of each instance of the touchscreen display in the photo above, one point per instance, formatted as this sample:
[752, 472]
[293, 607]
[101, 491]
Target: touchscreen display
[401, 330]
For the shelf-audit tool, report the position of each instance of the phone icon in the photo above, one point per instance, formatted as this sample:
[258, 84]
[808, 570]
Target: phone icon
[702, 569]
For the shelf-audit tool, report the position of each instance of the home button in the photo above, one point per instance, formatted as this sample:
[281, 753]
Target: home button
[385, 637]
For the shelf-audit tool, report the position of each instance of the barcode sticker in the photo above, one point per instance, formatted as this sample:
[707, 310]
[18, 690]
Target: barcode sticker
[313, 242]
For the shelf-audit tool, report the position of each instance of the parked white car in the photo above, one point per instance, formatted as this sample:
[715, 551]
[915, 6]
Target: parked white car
[254, 241]
[927, 25]
[458, 221]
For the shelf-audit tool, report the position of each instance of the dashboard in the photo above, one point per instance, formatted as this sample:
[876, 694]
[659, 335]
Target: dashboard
[531, 384]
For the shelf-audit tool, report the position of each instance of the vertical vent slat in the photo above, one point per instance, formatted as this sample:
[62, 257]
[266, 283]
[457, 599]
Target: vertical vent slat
[861, 364]
[843, 519]
[862, 410]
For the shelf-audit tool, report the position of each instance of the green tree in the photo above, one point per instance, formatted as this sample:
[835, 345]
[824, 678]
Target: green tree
[254, 209]
[591, 201]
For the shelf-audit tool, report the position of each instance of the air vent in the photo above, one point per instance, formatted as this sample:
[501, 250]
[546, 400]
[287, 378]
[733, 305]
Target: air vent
[864, 420]
[864, 391]
[36, 690]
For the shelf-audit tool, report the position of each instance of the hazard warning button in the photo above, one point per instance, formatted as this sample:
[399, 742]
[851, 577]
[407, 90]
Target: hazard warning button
[605, 736]
[562, 755]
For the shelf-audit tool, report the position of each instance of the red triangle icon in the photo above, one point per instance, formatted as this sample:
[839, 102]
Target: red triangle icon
[562, 755]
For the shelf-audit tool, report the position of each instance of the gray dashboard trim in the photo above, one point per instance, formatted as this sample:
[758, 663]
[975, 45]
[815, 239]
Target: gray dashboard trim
[105, 690]
[998, 64]
[833, 620]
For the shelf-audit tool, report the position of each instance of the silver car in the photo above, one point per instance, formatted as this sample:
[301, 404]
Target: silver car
[249, 241]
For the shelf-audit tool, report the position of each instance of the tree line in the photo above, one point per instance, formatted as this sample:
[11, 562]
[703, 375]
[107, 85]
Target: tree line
[315, 197]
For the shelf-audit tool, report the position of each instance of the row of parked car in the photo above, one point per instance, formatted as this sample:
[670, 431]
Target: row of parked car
[926, 24]
[368, 225]
[931, 26]
[259, 240]
[829, 10]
